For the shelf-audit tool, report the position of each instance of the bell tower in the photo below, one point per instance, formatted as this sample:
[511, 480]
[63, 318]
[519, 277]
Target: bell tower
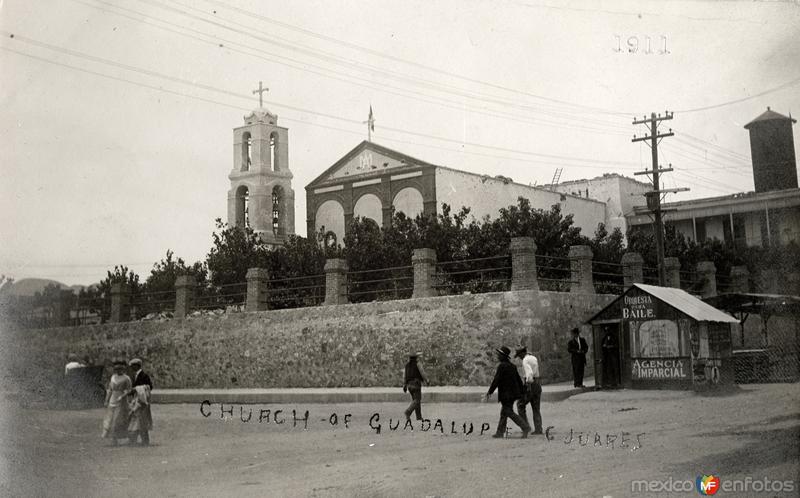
[261, 194]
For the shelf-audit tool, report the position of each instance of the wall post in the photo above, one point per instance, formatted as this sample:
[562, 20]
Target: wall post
[120, 303]
[523, 264]
[708, 276]
[335, 281]
[424, 263]
[185, 289]
[740, 279]
[672, 269]
[632, 269]
[257, 289]
[580, 263]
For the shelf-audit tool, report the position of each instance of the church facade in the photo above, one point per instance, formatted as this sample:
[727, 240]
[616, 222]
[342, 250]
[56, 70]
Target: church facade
[372, 181]
[261, 194]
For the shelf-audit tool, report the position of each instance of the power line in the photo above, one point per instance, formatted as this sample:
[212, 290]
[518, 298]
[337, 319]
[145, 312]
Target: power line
[744, 99]
[404, 61]
[601, 127]
[397, 130]
[354, 64]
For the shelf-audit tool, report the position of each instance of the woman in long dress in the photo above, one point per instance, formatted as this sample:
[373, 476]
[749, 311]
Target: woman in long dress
[115, 423]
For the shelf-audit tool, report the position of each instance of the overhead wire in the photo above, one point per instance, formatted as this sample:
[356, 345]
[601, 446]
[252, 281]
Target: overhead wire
[336, 59]
[592, 126]
[355, 46]
[397, 130]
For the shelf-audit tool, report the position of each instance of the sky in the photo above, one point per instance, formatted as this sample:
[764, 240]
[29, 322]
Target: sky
[117, 116]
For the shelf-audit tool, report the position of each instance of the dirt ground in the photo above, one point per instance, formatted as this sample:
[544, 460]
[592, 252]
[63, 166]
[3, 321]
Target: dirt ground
[754, 433]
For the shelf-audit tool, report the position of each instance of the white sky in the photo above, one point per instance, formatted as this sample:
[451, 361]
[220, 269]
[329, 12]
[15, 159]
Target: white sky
[97, 170]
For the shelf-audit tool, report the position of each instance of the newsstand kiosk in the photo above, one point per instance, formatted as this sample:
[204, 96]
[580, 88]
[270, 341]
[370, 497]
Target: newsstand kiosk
[654, 337]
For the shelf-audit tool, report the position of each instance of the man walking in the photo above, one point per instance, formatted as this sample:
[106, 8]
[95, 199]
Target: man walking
[509, 389]
[532, 389]
[412, 382]
[577, 348]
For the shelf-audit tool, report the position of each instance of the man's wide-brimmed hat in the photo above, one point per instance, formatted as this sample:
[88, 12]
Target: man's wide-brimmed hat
[520, 352]
[414, 354]
[504, 351]
[135, 361]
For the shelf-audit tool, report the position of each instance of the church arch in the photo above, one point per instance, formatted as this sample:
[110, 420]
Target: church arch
[247, 151]
[243, 206]
[278, 210]
[409, 201]
[369, 206]
[330, 217]
[273, 152]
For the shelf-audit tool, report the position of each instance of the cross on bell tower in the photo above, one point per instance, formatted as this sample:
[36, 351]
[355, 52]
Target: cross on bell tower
[260, 93]
[261, 194]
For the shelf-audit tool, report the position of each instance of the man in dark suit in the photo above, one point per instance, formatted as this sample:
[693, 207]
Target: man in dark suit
[577, 348]
[412, 382]
[139, 377]
[141, 418]
[509, 389]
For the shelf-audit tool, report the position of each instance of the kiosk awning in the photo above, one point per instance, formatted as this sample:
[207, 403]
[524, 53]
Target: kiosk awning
[688, 304]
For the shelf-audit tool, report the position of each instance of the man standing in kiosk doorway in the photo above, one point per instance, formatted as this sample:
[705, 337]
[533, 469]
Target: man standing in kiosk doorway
[610, 360]
[577, 348]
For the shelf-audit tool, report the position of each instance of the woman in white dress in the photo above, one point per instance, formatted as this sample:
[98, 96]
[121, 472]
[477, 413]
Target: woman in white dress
[115, 423]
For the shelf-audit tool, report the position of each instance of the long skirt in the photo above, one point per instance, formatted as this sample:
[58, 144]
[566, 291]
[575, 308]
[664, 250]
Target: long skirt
[141, 419]
[115, 423]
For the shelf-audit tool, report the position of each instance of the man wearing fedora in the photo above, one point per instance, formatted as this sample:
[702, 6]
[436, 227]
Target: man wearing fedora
[577, 348]
[532, 389]
[509, 389]
[412, 383]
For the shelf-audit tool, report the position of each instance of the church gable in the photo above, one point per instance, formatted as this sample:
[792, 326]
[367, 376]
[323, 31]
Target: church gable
[365, 159]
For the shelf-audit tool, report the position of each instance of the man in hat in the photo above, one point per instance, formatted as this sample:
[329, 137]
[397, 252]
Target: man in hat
[532, 389]
[141, 417]
[412, 383]
[509, 389]
[139, 377]
[577, 349]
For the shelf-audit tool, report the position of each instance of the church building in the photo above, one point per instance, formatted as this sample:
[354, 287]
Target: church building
[372, 180]
[261, 194]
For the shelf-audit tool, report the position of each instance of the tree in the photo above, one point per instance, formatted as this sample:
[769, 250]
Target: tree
[165, 272]
[607, 251]
[236, 249]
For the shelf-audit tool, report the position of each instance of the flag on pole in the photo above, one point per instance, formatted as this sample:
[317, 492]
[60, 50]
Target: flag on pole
[371, 119]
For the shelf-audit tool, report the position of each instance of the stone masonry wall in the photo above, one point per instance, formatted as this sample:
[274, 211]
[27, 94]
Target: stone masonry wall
[329, 346]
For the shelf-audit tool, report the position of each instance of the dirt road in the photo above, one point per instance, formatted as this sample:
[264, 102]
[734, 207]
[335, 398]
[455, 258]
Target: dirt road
[624, 436]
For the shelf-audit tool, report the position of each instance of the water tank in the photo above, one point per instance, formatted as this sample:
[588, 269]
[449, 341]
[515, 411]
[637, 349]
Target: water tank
[772, 151]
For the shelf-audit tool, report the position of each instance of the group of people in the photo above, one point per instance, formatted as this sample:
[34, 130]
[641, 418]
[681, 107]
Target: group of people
[510, 387]
[127, 404]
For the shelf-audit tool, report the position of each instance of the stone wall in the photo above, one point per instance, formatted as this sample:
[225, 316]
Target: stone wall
[329, 346]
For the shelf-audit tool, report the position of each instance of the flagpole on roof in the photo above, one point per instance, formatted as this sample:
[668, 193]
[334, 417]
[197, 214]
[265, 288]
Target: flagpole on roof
[370, 122]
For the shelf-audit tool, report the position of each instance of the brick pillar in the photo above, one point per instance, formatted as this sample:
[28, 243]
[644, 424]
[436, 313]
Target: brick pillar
[257, 289]
[740, 279]
[672, 269]
[62, 308]
[424, 262]
[335, 281]
[185, 288]
[707, 273]
[580, 263]
[120, 303]
[523, 264]
[632, 268]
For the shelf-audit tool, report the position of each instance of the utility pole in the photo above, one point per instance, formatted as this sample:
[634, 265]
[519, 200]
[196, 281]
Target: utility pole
[654, 196]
